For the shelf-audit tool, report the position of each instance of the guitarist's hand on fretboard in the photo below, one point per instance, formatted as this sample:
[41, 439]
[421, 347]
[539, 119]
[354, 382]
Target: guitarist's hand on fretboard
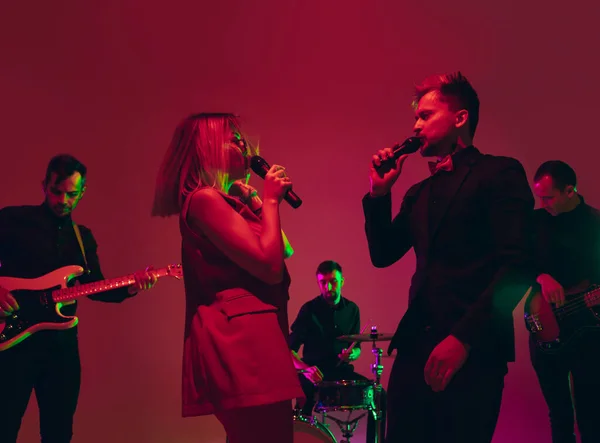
[8, 304]
[552, 291]
[144, 280]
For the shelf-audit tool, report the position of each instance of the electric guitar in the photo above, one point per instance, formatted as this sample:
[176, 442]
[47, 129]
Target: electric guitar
[41, 299]
[557, 328]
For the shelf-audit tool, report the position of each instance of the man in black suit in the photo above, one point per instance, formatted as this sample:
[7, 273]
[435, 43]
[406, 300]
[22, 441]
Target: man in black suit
[467, 224]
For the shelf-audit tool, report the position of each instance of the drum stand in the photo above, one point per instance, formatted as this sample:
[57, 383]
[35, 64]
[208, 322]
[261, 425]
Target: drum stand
[377, 369]
[347, 427]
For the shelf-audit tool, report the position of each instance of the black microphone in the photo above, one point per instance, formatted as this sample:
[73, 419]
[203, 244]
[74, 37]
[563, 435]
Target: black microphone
[408, 146]
[261, 167]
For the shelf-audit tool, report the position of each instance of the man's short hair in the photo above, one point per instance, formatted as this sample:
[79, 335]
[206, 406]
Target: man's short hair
[562, 174]
[454, 89]
[64, 166]
[328, 266]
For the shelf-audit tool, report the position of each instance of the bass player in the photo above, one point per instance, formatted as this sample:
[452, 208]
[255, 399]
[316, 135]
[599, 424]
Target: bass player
[567, 250]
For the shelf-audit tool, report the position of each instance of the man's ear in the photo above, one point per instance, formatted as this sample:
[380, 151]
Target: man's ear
[462, 118]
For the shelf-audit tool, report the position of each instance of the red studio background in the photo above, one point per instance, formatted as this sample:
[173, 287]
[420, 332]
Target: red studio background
[322, 86]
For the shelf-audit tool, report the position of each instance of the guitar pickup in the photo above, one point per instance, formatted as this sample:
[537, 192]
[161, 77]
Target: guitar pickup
[533, 324]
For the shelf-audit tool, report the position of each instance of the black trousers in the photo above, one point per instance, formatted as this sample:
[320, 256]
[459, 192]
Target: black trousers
[583, 363]
[50, 367]
[335, 374]
[465, 412]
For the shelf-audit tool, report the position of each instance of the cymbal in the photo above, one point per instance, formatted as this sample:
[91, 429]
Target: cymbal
[366, 337]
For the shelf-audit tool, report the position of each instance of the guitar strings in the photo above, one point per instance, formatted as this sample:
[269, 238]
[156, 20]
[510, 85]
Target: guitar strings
[575, 303]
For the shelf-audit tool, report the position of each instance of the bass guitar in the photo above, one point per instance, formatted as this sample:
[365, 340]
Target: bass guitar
[556, 328]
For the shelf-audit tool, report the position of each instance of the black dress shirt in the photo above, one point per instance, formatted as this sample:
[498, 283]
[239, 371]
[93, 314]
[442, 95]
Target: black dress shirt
[568, 245]
[317, 327]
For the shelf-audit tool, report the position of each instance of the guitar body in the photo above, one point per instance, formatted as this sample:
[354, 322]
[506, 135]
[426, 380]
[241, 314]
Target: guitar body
[555, 329]
[37, 309]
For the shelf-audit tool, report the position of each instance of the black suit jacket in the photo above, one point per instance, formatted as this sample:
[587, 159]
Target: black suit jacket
[472, 251]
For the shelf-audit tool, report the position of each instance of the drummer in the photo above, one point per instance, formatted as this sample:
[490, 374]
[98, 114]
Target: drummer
[319, 322]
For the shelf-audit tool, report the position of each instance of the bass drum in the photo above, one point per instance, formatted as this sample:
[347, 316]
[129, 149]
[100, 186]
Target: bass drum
[307, 430]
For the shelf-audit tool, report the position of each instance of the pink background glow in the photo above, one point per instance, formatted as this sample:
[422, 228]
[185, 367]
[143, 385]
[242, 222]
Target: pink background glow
[322, 86]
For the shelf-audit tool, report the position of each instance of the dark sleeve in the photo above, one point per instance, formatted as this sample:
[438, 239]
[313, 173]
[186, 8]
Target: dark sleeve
[4, 231]
[388, 239]
[91, 254]
[510, 208]
[539, 242]
[299, 329]
[595, 235]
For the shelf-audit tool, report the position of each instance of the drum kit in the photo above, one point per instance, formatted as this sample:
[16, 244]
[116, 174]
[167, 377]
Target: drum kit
[345, 395]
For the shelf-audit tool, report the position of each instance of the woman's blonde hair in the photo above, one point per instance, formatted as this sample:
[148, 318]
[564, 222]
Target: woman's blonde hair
[198, 155]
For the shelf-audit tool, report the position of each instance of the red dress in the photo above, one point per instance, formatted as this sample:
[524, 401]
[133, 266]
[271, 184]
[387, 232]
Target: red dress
[235, 344]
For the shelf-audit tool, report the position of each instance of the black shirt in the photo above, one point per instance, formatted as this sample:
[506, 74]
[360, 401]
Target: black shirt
[441, 191]
[567, 246]
[318, 325]
[34, 241]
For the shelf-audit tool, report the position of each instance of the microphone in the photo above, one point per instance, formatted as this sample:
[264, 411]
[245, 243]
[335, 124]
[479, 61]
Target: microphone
[260, 166]
[408, 146]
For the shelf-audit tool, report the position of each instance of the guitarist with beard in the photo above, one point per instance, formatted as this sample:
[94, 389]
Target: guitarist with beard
[36, 240]
[567, 241]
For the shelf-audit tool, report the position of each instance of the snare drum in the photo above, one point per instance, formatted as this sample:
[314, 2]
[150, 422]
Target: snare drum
[307, 430]
[344, 395]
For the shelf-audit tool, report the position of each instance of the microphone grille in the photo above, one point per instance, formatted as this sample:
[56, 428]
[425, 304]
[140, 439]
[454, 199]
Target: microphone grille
[259, 166]
[413, 144]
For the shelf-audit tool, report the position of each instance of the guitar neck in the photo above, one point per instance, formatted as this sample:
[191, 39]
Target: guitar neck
[66, 294]
[593, 297]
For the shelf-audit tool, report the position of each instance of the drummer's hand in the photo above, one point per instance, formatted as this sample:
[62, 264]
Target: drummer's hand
[314, 374]
[349, 355]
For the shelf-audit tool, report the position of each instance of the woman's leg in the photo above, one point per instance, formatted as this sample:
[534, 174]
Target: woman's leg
[272, 423]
